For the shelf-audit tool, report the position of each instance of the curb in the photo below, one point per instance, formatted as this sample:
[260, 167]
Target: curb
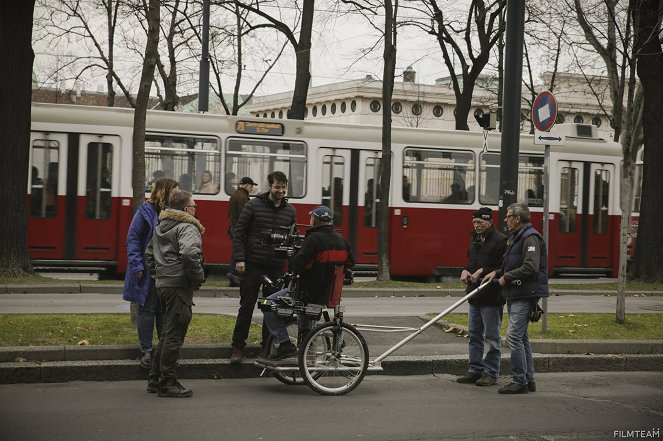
[125, 370]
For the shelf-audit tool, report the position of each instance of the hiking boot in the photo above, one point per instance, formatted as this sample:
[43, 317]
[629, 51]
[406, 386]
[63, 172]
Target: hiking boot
[264, 353]
[470, 377]
[486, 380]
[237, 356]
[513, 388]
[531, 386]
[285, 350]
[175, 390]
[234, 278]
[152, 386]
[146, 360]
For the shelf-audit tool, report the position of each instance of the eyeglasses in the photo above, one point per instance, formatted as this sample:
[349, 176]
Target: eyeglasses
[510, 215]
[192, 206]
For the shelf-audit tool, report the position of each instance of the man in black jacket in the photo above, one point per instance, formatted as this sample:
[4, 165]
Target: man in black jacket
[322, 251]
[267, 211]
[235, 206]
[484, 318]
[524, 279]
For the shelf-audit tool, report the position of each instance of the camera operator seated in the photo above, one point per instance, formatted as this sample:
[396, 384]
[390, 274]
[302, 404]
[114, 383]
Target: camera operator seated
[323, 249]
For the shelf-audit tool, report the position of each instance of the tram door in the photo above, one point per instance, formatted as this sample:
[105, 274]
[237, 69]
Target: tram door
[585, 228]
[348, 188]
[73, 211]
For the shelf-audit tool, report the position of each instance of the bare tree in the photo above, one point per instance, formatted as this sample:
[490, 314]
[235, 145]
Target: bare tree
[468, 42]
[140, 113]
[302, 47]
[15, 88]
[648, 17]
[69, 22]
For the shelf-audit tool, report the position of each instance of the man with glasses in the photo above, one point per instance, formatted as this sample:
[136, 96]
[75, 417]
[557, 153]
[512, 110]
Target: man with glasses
[484, 317]
[524, 279]
[175, 257]
[253, 259]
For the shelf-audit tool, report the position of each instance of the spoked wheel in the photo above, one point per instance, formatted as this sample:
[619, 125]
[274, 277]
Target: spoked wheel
[333, 359]
[290, 377]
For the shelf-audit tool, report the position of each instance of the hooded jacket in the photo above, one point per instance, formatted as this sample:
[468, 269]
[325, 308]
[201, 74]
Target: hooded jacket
[175, 253]
[138, 238]
[260, 214]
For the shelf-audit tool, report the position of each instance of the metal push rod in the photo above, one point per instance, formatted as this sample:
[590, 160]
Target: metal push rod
[430, 323]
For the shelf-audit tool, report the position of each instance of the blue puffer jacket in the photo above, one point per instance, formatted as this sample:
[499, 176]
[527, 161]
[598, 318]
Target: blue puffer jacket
[140, 233]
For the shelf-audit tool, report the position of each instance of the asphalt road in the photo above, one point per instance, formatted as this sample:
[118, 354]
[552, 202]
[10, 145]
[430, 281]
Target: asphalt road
[355, 306]
[567, 406]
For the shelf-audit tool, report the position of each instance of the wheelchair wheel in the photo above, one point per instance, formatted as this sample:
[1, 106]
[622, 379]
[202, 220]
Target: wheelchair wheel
[293, 377]
[333, 358]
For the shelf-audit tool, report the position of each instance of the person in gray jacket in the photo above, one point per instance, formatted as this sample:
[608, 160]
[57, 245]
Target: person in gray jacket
[175, 258]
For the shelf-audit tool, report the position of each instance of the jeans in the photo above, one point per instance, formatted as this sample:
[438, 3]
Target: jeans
[276, 326]
[484, 322]
[522, 364]
[176, 305]
[248, 296]
[148, 314]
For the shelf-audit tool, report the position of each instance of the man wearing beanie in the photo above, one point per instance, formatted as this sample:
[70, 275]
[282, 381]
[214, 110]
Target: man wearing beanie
[484, 318]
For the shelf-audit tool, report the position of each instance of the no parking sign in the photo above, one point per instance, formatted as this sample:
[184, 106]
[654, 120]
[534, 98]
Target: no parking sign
[544, 111]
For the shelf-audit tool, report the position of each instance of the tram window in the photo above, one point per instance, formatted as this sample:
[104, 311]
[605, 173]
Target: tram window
[98, 180]
[439, 176]
[568, 199]
[530, 179]
[190, 160]
[601, 200]
[372, 195]
[333, 170]
[257, 158]
[44, 178]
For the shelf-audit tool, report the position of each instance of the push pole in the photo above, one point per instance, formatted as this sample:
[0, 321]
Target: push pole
[203, 78]
[513, 73]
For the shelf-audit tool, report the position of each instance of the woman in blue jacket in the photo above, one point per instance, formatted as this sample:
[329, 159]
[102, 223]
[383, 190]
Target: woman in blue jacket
[138, 284]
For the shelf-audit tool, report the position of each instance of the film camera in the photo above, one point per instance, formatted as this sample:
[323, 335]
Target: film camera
[285, 242]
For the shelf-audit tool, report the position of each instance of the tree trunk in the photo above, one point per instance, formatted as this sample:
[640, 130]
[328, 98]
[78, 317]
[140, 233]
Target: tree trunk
[15, 94]
[464, 104]
[140, 112]
[111, 34]
[303, 78]
[385, 164]
[649, 252]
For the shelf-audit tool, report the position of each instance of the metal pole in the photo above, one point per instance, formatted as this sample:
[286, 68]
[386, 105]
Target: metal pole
[546, 224]
[428, 324]
[203, 79]
[513, 72]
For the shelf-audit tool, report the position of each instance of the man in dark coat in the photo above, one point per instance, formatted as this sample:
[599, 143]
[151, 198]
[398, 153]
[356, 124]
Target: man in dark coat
[524, 279]
[322, 251]
[235, 206]
[267, 211]
[484, 317]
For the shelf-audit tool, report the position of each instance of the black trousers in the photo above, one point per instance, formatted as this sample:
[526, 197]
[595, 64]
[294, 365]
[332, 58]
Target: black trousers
[248, 293]
[176, 308]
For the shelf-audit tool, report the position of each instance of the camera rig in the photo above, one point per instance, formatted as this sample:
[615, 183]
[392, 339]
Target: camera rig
[285, 241]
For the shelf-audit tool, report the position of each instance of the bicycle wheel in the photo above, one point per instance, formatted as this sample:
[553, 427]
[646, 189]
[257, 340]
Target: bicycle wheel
[293, 377]
[333, 359]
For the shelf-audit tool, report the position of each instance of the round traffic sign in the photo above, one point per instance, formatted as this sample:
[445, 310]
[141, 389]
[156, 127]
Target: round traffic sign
[544, 111]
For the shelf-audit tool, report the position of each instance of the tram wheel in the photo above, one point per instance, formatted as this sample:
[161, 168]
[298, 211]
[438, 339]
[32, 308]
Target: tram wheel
[333, 358]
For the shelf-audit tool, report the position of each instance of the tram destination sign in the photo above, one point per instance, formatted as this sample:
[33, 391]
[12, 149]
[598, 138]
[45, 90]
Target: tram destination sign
[259, 128]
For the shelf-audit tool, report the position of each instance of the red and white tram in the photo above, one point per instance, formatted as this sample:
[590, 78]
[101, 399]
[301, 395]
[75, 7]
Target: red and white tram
[80, 185]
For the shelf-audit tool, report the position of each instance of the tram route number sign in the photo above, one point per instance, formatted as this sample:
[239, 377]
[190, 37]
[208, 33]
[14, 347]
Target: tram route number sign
[544, 111]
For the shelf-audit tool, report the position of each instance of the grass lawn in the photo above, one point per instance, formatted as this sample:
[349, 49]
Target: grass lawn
[105, 329]
[108, 329]
[587, 326]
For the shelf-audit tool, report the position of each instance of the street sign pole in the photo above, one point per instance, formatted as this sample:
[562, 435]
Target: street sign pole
[546, 224]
